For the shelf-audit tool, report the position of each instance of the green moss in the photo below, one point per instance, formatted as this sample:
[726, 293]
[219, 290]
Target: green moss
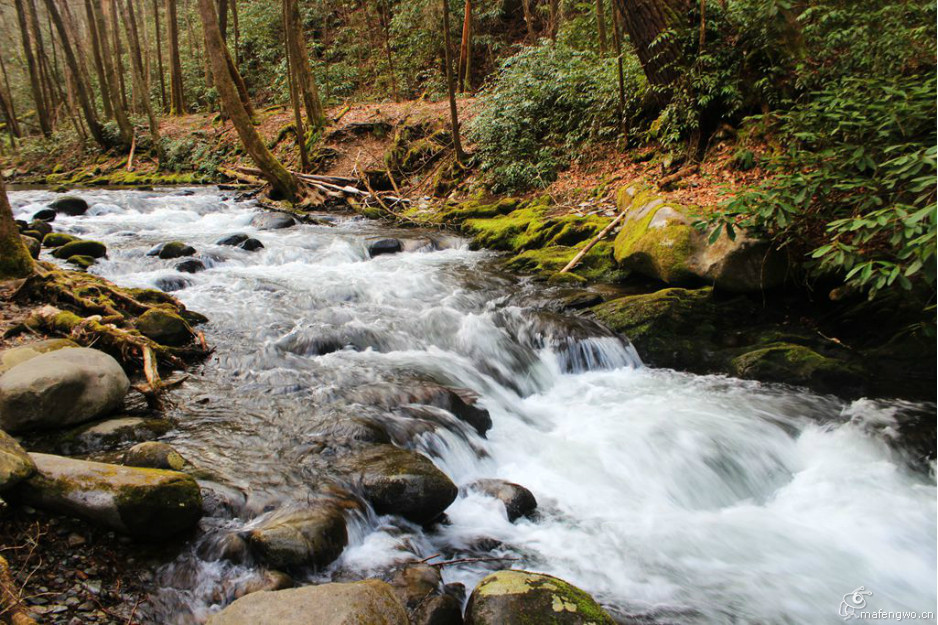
[82, 247]
[15, 259]
[525, 598]
[794, 364]
[80, 261]
[58, 239]
[547, 262]
[143, 510]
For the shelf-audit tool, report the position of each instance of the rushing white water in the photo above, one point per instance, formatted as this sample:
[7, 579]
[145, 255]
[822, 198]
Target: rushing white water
[672, 497]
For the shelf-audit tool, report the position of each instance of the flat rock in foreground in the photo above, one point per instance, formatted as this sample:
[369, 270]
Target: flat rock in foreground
[144, 503]
[371, 601]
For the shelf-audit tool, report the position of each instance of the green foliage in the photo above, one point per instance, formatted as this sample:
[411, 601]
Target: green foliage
[190, 154]
[855, 188]
[543, 105]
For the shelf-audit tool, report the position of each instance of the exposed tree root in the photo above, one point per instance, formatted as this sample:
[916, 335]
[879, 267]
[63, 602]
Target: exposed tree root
[12, 609]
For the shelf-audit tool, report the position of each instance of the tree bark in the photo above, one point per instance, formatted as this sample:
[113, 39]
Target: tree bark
[140, 79]
[15, 261]
[237, 32]
[159, 54]
[298, 130]
[223, 19]
[645, 21]
[118, 58]
[465, 47]
[98, 60]
[177, 99]
[124, 127]
[305, 81]
[8, 107]
[42, 114]
[84, 97]
[451, 88]
[529, 20]
[386, 28]
[620, 105]
[280, 179]
[601, 26]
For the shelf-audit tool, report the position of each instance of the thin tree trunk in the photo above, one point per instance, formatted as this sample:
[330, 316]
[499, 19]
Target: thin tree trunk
[124, 126]
[465, 47]
[645, 21]
[9, 107]
[305, 81]
[44, 77]
[553, 7]
[98, 60]
[140, 79]
[703, 24]
[15, 261]
[280, 179]
[601, 26]
[159, 54]
[451, 88]
[237, 32]
[39, 100]
[177, 98]
[223, 19]
[239, 84]
[84, 97]
[299, 131]
[118, 57]
[620, 105]
[529, 20]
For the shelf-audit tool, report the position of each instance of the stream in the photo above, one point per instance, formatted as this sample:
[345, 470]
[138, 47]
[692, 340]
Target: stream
[671, 497]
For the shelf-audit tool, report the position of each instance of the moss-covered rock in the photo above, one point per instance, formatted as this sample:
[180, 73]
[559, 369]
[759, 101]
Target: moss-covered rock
[523, 598]
[33, 246]
[82, 262]
[144, 503]
[796, 364]
[82, 247]
[58, 239]
[154, 455]
[658, 240]
[69, 205]
[313, 535]
[15, 463]
[110, 434]
[164, 327]
[172, 249]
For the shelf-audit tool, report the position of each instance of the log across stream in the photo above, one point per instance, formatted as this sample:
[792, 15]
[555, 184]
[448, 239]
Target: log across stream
[670, 496]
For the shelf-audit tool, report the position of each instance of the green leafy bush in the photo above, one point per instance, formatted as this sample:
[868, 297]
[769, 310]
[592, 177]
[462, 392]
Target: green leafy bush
[543, 105]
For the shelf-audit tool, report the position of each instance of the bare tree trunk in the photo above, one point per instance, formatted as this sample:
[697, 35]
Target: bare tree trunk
[553, 18]
[601, 26]
[223, 19]
[465, 47]
[117, 48]
[237, 32]
[299, 131]
[8, 106]
[15, 261]
[448, 70]
[305, 82]
[529, 20]
[140, 78]
[280, 179]
[620, 105]
[159, 54]
[39, 100]
[177, 98]
[98, 60]
[645, 21]
[124, 127]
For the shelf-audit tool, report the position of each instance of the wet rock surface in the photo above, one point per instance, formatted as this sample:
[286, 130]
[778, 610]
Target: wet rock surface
[273, 221]
[171, 249]
[311, 535]
[519, 501]
[69, 205]
[15, 463]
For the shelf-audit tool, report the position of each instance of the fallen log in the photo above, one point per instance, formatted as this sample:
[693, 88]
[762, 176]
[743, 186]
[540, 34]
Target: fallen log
[599, 237]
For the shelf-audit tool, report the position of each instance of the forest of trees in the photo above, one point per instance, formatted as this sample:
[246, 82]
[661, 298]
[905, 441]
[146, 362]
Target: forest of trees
[840, 93]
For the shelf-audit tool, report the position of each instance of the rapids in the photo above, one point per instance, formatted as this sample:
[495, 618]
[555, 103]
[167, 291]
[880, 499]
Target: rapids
[671, 497]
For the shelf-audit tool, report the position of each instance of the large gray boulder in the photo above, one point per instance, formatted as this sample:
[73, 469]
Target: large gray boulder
[400, 481]
[313, 535]
[13, 356]
[144, 503]
[521, 598]
[15, 463]
[370, 602]
[61, 388]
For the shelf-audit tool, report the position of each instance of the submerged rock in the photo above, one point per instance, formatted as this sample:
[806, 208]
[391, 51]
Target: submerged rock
[519, 501]
[69, 205]
[61, 388]
[399, 481]
[172, 283]
[15, 463]
[44, 214]
[192, 265]
[377, 247]
[522, 598]
[232, 239]
[370, 602]
[251, 245]
[154, 455]
[13, 356]
[273, 221]
[144, 503]
[58, 239]
[164, 327]
[314, 535]
[112, 433]
[171, 249]
[81, 247]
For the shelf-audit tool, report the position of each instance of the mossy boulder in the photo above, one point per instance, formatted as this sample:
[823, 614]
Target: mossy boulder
[69, 205]
[44, 214]
[82, 262]
[58, 239]
[370, 602]
[15, 463]
[658, 239]
[81, 247]
[33, 246]
[796, 364]
[164, 327]
[154, 455]
[523, 598]
[13, 356]
[144, 503]
[171, 249]
[35, 235]
[40, 226]
[313, 535]
[62, 387]
[477, 209]
[400, 481]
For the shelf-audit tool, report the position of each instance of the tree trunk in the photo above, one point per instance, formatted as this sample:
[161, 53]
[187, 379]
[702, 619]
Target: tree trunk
[124, 127]
[386, 28]
[15, 261]
[465, 47]
[237, 32]
[298, 130]
[553, 18]
[177, 100]
[159, 54]
[240, 85]
[645, 21]
[44, 71]
[451, 88]
[98, 60]
[14, 126]
[140, 79]
[529, 20]
[84, 97]
[601, 26]
[118, 58]
[305, 81]
[280, 179]
[223, 19]
[620, 105]
[42, 113]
